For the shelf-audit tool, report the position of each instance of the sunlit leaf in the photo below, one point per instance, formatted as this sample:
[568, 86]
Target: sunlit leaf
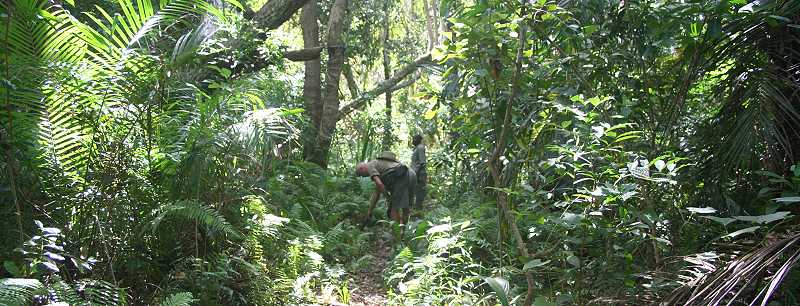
[723, 221]
[787, 200]
[574, 261]
[702, 210]
[764, 218]
[534, 264]
[500, 287]
[742, 231]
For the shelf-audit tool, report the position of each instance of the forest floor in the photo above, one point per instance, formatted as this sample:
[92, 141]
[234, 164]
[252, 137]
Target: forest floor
[368, 289]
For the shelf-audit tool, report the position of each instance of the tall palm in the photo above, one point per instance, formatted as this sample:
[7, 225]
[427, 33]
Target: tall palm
[757, 58]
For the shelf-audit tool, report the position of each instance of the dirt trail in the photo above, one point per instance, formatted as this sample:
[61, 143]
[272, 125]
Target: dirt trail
[368, 289]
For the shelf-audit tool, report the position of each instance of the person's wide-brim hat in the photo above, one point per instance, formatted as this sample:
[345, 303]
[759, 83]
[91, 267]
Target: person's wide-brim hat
[387, 155]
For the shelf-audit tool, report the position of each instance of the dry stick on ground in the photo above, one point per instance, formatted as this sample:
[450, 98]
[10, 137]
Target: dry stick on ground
[502, 196]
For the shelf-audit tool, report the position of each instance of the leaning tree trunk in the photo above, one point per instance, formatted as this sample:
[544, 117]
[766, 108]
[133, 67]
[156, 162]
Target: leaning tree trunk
[330, 102]
[275, 12]
[387, 126]
[312, 85]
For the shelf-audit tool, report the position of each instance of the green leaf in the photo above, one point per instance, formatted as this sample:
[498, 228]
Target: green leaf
[430, 114]
[542, 301]
[742, 231]
[788, 200]
[534, 264]
[762, 219]
[723, 221]
[574, 261]
[500, 287]
[588, 30]
[179, 299]
[12, 268]
[660, 164]
[437, 55]
[235, 3]
[225, 72]
[71, 2]
[702, 210]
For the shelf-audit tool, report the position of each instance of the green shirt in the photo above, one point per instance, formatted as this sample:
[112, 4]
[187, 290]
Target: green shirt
[418, 157]
[380, 166]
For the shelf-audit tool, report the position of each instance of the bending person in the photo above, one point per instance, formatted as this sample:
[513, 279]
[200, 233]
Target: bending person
[393, 180]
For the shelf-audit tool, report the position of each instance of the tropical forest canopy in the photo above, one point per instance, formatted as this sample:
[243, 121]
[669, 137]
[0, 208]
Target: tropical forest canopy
[595, 152]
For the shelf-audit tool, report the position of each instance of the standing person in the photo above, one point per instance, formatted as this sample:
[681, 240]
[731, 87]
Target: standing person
[394, 180]
[418, 161]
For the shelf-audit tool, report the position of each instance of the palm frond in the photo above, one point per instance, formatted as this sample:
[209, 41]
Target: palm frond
[758, 90]
[197, 212]
[179, 299]
[741, 278]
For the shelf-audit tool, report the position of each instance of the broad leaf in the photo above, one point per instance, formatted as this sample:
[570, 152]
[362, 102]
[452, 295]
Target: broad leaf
[534, 264]
[742, 231]
[764, 218]
[500, 287]
[723, 221]
[702, 210]
[787, 200]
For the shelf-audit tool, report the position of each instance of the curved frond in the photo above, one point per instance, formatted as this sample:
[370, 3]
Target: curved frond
[197, 212]
[179, 299]
[19, 291]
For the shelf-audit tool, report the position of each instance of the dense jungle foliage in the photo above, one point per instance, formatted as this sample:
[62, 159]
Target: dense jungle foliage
[593, 152]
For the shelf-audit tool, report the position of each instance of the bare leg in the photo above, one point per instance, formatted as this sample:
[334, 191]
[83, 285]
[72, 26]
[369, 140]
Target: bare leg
[395, 215]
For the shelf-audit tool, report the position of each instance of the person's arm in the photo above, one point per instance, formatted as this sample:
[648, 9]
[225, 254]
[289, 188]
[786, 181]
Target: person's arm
[379, 183]
[373, 201]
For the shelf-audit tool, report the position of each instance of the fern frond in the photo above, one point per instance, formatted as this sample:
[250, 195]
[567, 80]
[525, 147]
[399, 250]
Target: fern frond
[60, 291]
[19, 291]
[99, 292]
[179, 299]
[44, 51]
[196, 211]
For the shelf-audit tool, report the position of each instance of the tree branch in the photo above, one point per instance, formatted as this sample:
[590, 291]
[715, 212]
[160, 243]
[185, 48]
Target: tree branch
[387, 85]
[302, 55]
[351, 81]
[405, 83]
[275, 12]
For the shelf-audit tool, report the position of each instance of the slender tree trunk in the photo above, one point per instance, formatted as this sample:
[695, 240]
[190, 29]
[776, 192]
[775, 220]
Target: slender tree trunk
[387, 125]
[497, 174]
[312, 85]
[11, 161]
[352, 86]
[429, 24]
[337, 22]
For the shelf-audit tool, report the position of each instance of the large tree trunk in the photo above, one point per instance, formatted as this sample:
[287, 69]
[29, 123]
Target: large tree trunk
[337, 22]
[387, 125]
[312, 85]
